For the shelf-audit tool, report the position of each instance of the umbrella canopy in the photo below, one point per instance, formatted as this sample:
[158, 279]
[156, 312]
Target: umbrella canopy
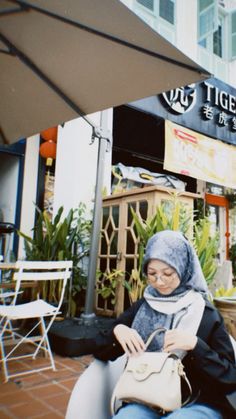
[61, 59]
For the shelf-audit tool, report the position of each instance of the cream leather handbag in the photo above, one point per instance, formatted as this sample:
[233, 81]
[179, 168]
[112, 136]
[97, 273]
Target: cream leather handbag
[153, 379]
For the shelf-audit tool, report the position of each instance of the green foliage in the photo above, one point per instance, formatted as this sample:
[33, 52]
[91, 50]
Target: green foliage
[61, 239]
[206, 247]
[135, 285]
[223, 292]
[107, 283]
[173, 215]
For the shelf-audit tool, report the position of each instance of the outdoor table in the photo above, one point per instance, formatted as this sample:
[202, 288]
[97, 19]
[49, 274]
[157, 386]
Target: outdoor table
[11, 284]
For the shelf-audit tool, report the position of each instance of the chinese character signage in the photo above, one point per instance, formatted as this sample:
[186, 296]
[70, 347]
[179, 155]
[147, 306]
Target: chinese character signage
[208, 107]
[198, 156]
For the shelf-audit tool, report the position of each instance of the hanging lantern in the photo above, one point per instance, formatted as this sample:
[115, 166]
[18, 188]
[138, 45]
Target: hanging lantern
[49, 134]
[48, 149]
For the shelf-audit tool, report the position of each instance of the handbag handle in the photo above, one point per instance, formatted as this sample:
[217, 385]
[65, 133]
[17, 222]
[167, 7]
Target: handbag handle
[150, 338]
[180, 366]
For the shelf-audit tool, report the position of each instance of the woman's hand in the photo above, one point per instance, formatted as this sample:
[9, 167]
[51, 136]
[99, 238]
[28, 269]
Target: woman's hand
[178, 339]
[130, 340]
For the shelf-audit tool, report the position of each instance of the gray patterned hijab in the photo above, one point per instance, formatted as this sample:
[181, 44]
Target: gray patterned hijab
[174, 249]
[183, 308]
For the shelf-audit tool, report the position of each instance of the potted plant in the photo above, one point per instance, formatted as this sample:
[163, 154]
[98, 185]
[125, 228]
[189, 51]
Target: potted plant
[225, 301]
[61, 239]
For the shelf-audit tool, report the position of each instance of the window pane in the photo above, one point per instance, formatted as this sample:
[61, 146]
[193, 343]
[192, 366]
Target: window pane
[234, 22]
[203, 43]
[234, 46]
[206, 22]
[114, 244]
[129, 214]
[207, 19]
[149, 4]
[217, 42]
[166, 10]
[143, 209]
[233, 35]
[115, 215]
[105, 216]
[130, 246]
[203, 4]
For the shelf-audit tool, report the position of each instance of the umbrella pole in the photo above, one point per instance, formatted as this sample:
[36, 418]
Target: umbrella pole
[103, 135]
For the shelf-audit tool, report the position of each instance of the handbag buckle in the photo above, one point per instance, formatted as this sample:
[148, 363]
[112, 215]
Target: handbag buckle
[141, 368]
[181, 369]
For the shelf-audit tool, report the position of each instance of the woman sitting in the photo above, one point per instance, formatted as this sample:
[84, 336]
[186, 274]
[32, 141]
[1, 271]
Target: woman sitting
[176, 299]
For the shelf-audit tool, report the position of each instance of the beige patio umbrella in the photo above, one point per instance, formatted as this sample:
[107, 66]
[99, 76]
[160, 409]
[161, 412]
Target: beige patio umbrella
[61, 59]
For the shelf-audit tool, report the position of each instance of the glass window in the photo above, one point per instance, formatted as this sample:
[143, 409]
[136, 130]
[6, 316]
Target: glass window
[167, 10]
[207, 17]
[217, 41]
[211, 27]
[233, 35]
[149, 4]
[214, 189]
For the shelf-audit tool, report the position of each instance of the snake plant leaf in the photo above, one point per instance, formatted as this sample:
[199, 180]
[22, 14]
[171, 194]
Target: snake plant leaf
[176, 217]
[58, 216]
[223, 292]
[163, 217]
[27, 238]
[69, 218]
[140, 226]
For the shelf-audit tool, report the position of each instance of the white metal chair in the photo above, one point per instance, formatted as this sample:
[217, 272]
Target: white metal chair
[97, 381]
[36, 309]
[5, 297]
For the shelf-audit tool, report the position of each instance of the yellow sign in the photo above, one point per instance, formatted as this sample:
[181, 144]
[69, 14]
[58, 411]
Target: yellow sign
[193, 154]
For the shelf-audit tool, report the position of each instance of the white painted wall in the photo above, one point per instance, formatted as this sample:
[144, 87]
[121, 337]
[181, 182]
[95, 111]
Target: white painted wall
[30, 180]
[186, 27]
[76, 163]
[9, 172]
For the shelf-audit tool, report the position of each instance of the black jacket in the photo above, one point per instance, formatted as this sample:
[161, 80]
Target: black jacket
[210, 366]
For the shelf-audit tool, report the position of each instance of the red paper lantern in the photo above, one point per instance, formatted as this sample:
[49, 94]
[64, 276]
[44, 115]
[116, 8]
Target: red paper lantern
[49, 134]
[48, 149]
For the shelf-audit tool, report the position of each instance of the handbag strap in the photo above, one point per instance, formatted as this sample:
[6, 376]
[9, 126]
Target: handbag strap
[185, 378]
[156, 331]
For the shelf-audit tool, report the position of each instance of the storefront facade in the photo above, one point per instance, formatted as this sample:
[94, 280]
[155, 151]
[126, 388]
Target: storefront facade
[191, 133]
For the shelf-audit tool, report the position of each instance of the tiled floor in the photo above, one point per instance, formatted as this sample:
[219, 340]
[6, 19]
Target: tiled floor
[42, 395]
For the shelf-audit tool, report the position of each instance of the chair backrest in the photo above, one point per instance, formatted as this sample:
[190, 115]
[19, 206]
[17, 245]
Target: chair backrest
[43, 271]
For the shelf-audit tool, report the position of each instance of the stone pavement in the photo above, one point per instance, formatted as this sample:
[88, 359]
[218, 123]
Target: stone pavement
[42, 395]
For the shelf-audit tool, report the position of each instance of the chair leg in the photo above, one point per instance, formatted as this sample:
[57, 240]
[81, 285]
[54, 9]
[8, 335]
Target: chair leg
[4, 326]
[45, 341]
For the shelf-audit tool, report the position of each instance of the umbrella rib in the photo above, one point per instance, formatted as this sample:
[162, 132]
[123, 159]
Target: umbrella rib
[3, 51]
[107, 36]
[13, 50]
[11, 11]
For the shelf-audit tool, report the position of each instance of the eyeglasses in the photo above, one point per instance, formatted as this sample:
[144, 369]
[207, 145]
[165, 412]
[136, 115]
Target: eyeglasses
[166, 277]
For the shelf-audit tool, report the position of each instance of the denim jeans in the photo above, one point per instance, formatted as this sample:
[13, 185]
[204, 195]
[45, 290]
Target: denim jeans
[193, 411]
